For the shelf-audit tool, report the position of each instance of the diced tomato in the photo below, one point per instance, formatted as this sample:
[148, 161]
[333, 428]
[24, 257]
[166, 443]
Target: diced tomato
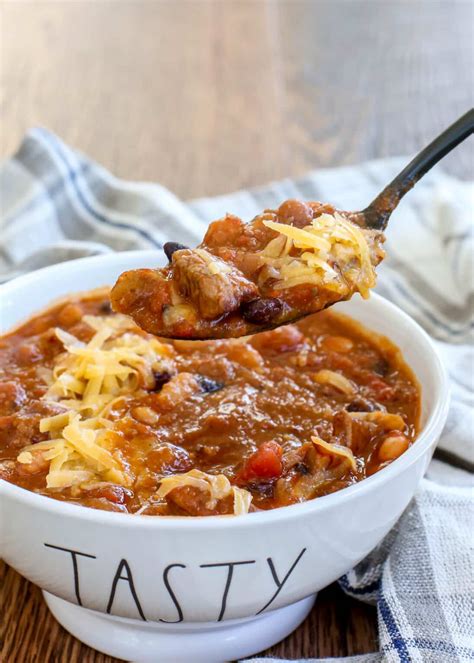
[263, 464]
[382, 390]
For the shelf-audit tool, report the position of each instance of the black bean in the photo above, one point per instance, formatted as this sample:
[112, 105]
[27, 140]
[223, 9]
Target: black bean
[302, 468]
[262, 311]
[170, 247]
[360, 404]
[381, 367]
[161, 378]
[105, 307]
[265, 489]
[208, 384]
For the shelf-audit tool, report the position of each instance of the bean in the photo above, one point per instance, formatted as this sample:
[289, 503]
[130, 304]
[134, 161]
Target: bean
[337, 344]
[381, 367]
[262, 311]
[161, 378]
[145, 414]
[302, 469]
[360, 404]
[393, 446]
[297, 211]
[105, 307]
[209, 385]
[282, 339]
[170, 247]
[28, 353]
[31, 462]
[69, 315]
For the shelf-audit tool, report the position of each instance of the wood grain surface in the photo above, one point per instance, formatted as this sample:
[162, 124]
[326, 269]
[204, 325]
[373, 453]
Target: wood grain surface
[206, 97]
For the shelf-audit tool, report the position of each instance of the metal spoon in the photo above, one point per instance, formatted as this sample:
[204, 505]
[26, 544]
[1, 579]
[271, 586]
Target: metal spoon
[265, 313]
[377, 214]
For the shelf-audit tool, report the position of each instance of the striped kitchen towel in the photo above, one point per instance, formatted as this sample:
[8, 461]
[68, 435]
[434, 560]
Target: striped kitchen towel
[57, 205]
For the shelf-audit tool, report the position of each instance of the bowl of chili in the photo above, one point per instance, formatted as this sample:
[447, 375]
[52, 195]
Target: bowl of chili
[135, 584]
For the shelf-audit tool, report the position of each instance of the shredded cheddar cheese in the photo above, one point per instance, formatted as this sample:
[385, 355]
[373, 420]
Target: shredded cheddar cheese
[217, 486]
[385, 420]
[335, 254]
[335, 380]
[77, 453]
[335, 450]
[87, 380]
[89, 376]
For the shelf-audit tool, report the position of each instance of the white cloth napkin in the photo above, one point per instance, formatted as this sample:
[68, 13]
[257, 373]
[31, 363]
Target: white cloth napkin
[57, 205]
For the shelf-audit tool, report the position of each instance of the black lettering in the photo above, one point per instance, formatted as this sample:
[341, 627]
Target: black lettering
[172, 594]
[129, 578]
[74, 554]
[277, 580]
[230, 573]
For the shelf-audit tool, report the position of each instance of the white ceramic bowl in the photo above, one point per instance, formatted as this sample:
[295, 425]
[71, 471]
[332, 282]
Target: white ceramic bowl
[213, 588]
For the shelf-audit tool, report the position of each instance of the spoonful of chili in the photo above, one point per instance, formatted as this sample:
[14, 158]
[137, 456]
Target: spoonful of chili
[285, 264]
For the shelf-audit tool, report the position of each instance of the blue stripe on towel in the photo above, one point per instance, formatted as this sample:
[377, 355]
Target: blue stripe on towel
[57, 148]
[392, 629]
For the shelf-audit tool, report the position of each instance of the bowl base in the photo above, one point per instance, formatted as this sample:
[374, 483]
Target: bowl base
[206, 642]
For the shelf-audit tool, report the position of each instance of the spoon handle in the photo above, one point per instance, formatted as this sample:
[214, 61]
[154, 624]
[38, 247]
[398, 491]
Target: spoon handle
[377, 214]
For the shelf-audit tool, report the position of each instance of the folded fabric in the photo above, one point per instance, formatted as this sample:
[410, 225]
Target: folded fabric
[57, 205]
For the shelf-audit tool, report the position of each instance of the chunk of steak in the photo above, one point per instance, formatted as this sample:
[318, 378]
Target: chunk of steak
[214, 286]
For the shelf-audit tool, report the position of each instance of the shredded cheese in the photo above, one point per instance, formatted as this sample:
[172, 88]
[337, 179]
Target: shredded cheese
[77, 454]
[336, 450]
[217, 486]
[335, 253]
[335, 380]
[87, 380]
[302, 238]
[385, 420]
[88, 376]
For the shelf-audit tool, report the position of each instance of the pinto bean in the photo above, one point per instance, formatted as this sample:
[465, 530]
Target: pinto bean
[145, 414]
[28, 353]
[393, 446]
[69, 315]
[283, 339]
[245, 355]
[297, 211]
[31, 462]
[337, 344]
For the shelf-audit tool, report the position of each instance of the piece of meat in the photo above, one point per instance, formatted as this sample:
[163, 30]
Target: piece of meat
[22, 428]
[12, 395]
[109, 491]
[213, 286]
[140, 289]
[168, 458]
[178, 389]
[194, 502]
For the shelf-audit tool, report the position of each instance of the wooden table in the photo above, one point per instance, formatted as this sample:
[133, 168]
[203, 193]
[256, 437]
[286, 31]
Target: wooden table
[207, 97]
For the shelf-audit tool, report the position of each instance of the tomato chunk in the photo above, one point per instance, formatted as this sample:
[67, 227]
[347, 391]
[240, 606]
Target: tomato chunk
[382, 391]
[263, 464]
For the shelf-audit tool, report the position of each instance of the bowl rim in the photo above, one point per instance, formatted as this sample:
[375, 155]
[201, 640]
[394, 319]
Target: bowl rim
[426, 438]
